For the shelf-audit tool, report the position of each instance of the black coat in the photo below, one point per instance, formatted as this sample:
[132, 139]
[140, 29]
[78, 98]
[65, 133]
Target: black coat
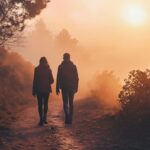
[67, 77]
[43, 79]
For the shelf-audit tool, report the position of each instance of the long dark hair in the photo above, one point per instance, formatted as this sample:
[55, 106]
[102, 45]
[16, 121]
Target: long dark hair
[43, 61]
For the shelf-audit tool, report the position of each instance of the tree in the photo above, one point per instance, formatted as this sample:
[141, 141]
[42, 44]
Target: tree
[135, 95]
[65, 41]
[13, 14]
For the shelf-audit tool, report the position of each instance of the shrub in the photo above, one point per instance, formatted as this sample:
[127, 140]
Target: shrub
[135, 96]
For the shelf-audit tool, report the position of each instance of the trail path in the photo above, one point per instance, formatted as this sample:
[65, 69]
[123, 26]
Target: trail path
[24, 134]
[93, 128]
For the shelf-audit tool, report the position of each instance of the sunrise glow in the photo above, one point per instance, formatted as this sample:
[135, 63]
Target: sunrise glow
[134, 15]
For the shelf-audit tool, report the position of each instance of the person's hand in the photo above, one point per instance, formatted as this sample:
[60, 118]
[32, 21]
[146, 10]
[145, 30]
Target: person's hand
[76, 90]
[33, 93]
[57, 92]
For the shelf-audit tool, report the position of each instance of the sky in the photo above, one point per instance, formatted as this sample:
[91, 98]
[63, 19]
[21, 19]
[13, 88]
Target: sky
[96, 21]
[111, 34]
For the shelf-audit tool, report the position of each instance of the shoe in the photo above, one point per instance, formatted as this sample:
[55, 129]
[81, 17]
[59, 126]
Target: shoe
[45, 122]
[45, 119]
[40, 123]
[70, 122]
[66, 120]
[69, 119]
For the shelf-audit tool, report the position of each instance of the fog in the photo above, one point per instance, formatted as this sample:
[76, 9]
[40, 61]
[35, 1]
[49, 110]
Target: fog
[96, 35]
[94, 81]
[105, 88]
[41, 42]
[16, 83]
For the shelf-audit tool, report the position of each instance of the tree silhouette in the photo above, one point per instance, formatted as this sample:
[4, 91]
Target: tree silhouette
[65, 41]
[135, 95]
[13, 14]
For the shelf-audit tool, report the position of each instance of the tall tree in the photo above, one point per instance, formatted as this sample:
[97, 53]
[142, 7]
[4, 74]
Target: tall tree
[13, 14]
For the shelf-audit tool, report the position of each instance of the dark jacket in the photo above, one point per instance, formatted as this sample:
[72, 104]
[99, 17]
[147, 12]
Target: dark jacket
[43, 79]
[67, 76]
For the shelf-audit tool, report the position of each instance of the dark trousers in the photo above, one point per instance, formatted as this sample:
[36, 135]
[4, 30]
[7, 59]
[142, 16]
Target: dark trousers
[68, 97]
[43, 100]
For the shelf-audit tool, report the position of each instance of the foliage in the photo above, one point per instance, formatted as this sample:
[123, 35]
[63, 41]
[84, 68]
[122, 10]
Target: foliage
[15, 82]
[13, 14]
[135, 95]
[65, 41]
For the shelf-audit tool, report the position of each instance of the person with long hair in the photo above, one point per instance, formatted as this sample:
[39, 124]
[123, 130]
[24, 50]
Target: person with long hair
[42, 81]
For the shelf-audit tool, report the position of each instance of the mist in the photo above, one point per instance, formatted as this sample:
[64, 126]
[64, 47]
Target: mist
[94, 81]
[104, 88]
[16, 83]
[111, 40]
[105, 45]
[102, 41]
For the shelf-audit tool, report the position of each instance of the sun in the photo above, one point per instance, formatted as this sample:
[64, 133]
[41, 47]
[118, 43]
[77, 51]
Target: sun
[135, 15]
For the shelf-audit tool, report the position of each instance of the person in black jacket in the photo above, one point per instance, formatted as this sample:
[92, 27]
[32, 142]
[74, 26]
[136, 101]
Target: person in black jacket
[42, 81]
[67, 81]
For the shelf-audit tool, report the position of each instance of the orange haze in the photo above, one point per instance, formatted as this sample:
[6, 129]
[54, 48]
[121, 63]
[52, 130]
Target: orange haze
[96, 35]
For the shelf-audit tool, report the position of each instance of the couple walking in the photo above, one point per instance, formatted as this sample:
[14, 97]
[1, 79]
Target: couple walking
[67, 82]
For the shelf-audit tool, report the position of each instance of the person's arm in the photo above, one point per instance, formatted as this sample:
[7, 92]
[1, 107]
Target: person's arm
[76, 79]
[51, 77]
[58, 81]
[34, 83]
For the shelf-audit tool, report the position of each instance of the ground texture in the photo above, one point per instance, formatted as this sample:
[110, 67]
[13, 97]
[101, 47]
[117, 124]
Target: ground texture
[94, 128]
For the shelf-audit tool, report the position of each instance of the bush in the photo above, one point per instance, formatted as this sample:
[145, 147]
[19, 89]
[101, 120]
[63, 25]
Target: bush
[135, 96]
[15, 83]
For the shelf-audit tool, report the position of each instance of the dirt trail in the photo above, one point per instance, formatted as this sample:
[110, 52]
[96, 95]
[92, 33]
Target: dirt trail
[94, 128]
[24, 134]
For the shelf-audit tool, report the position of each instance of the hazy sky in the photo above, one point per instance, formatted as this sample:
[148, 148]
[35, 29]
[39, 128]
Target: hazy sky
[97, 21]
[115, 34]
